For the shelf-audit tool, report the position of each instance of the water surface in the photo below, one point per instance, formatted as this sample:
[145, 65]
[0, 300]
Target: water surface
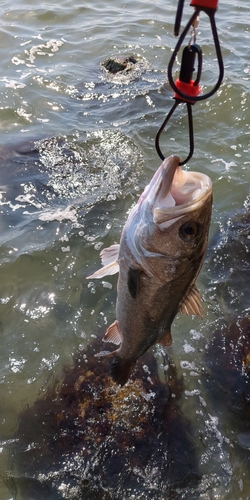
[77, 148]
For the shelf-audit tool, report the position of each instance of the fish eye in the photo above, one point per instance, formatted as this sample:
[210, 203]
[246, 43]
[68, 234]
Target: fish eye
[189, 231]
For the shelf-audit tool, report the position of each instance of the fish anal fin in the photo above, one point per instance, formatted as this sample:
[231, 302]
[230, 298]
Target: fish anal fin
[121, 369]
[166, 340]
[112, 334]
[192, 304]
[108, 270]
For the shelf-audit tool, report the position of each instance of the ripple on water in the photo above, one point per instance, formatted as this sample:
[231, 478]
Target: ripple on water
[101, 168]
[61, 179]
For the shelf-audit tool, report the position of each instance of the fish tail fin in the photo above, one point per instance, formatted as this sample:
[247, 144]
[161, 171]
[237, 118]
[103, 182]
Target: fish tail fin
[121, 369]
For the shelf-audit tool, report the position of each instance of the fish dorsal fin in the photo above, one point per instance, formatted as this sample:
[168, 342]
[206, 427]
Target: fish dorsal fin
[166, 340]
[192, 304]
[112, 334]
[110, 263]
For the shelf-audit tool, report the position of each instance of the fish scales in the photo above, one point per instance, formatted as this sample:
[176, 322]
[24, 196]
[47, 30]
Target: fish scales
[161, 251]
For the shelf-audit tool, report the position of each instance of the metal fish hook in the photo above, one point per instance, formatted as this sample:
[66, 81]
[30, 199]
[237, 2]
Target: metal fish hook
[190, 126]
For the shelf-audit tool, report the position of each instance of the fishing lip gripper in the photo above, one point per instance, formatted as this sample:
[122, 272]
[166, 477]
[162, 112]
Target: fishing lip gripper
[186, 90]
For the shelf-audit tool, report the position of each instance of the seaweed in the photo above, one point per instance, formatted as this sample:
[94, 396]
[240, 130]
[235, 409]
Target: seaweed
[87, 439]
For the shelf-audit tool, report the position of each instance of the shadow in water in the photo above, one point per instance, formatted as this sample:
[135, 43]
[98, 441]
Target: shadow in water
[227, 363]
[88, 439]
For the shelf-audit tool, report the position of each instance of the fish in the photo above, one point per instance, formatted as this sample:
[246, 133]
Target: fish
[162, 247]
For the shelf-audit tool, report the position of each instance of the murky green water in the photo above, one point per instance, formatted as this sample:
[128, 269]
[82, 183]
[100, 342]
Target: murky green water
[77, 147]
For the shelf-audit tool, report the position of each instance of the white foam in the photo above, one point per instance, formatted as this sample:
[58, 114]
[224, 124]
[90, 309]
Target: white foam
[59, 215]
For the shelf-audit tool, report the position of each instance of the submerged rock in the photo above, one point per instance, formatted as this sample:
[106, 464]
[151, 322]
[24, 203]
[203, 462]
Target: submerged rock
[123, 70]
[88, 439]
[228, 262]
[120, 63]
[227, 378]
[227, 359]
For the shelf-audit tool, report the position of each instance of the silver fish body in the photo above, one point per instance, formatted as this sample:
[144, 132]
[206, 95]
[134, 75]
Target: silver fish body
[161, 251]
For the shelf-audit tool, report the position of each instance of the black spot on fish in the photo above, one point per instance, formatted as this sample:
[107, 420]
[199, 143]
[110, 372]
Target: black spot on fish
[134, 282]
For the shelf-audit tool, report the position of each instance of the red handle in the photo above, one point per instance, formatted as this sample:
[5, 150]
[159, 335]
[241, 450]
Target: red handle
[207, 4]
[188, 89]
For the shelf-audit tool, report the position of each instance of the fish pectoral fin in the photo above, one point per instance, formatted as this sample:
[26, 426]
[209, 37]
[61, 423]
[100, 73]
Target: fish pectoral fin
[109, 258]
[112, 334]
[108, 270]
[166, 340]
[192, 304]
[109, 255]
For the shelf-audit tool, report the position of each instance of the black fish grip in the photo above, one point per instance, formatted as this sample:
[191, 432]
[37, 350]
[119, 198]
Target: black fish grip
[185, 89]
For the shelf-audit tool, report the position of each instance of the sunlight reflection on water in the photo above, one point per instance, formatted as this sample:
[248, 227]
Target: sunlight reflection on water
[65, 194]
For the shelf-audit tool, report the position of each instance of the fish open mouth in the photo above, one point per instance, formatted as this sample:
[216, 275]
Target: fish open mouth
[178, 192]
